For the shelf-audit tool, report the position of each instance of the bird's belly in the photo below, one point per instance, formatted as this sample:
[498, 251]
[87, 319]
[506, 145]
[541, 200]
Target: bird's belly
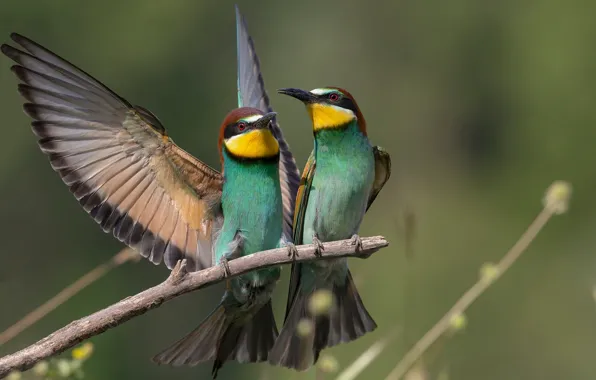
[336, 212]
[261, 231]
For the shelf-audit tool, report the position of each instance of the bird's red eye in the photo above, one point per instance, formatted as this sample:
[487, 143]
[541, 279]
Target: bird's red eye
[333, 97]
[241, 126]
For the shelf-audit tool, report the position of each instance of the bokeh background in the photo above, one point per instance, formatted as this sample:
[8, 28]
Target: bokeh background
[481, 104]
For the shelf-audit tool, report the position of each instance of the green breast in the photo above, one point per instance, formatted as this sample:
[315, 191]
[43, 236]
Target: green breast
[341, 184]
[251, 202]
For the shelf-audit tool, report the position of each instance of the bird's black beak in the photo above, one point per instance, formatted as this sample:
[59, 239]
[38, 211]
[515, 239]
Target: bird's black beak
[304, 96]
[265, 121]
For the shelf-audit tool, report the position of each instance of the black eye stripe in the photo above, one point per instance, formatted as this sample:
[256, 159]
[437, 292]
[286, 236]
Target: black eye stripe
[234, 129]
[343, 102]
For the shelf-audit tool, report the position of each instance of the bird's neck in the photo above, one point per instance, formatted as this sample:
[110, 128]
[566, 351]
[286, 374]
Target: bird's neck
[244, 178]
[348, 141]
[251, 193]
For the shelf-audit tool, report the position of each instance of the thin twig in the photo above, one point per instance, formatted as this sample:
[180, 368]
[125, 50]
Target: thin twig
[367, 356]
[179, 282]
[470, 296]
[118, 259]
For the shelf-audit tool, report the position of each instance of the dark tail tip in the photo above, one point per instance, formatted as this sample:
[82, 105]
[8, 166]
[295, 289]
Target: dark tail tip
[249, 343]
[199, 345]
[347, 321]
[219, 340]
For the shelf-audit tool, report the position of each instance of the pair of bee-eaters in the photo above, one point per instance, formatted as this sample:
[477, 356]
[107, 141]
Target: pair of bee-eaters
[125, 171]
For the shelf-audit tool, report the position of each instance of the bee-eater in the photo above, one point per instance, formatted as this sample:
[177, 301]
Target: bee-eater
[248, 202]
[128, 174]
[341, 179]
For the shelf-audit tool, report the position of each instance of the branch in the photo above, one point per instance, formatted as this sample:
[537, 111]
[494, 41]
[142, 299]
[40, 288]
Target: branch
[125, 255]
[178, 283]
[556, 202]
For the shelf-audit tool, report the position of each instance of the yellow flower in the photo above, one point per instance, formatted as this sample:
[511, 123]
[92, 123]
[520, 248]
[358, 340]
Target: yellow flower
[83, 352]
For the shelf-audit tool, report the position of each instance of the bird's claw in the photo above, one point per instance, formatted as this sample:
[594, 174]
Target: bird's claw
[318, 246]
[355, 240]
[226, 267]
[292, 250]
[179, 272]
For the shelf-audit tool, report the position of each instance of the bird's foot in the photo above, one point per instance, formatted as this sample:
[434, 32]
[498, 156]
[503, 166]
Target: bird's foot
[318, 246]
[226, 267]
[179, 272]
[292, 250]
[355, 240]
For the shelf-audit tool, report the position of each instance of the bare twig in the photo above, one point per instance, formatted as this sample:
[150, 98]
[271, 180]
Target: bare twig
[179, 282]
[368, 356]
[555, 202]
[118, 259]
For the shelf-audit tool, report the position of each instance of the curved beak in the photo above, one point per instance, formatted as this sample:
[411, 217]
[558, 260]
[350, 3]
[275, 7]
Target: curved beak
[304, 96]
[265, 121]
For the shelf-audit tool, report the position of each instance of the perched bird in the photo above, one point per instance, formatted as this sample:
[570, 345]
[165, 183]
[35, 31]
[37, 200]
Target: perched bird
[243, 326]
[341, 179]
[125, 171]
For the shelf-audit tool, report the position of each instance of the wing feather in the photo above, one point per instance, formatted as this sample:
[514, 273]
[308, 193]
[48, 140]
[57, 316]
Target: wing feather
[382, 173]
[118, 161]
[251, 93]
[301, 203]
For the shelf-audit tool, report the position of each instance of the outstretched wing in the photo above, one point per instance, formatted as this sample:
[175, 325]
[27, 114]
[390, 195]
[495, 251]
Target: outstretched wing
[301, 202]
[382, 173]
[118, 161]
[251, 93]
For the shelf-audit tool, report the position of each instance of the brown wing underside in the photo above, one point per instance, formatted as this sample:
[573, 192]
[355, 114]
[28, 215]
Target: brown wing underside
[118, 161]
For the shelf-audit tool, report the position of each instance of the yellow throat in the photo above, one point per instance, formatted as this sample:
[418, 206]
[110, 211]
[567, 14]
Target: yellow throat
[328, 116]
[258, 143]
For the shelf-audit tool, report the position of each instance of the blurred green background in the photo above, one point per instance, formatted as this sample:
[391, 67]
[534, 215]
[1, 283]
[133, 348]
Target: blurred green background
[481, 104]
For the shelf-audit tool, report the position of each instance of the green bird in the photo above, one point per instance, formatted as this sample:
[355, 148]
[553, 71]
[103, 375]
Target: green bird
[340, 181]
[119, 162]
[243, 327]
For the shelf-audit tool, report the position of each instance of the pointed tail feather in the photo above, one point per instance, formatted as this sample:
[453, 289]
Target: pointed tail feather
[347, 321]
[251, 342]
[199, 345]
[219, 339]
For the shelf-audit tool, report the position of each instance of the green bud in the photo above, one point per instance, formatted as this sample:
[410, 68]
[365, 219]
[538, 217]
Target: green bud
[489, 272]
[458, 322]
[63, 368]
[14, 375]
[41, 368]
[320, 302]
[75, 364]
[304, 328]
[328, 364]
[557, 197]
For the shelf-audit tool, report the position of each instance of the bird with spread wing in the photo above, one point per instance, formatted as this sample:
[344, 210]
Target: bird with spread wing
[126, 172]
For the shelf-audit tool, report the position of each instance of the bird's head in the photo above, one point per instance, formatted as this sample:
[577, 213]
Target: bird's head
[329, 107]
[246, 135]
